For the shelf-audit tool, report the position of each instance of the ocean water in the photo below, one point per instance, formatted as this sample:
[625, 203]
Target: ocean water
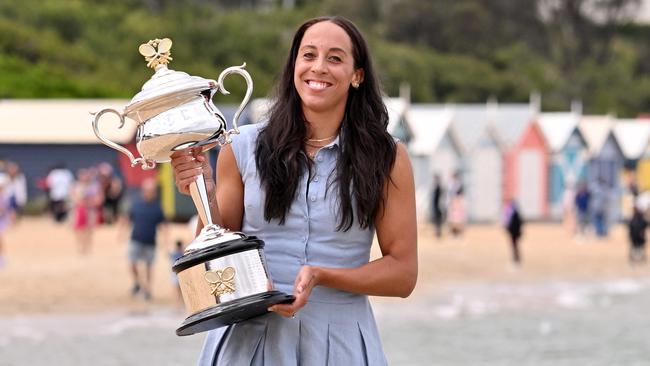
[555, 324]
[550, 323]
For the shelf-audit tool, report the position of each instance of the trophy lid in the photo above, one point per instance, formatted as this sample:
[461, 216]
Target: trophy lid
[167, 88]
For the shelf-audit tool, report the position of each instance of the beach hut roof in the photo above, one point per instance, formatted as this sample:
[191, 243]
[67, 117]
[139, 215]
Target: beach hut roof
[509, 122]
[61, 121]
[632, 136]
[469, 123]
[428, 123]
[557, 127]
[595, 130]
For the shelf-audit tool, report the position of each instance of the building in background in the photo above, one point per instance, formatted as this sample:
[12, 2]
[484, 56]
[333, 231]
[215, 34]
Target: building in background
[525, 158]
[481, 162]
[568, 156]
[433, 150]
[605, 160]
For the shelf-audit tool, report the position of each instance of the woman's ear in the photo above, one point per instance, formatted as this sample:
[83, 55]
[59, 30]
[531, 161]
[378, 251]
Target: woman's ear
[357, 78]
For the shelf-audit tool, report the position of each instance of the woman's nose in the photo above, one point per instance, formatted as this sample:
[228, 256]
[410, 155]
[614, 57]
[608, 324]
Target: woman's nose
[319, 66]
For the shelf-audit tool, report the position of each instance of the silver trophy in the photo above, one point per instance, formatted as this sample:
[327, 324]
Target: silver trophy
[222, 274]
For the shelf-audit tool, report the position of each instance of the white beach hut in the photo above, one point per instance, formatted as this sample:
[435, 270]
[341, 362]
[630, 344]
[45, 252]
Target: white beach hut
[481, 161]
[433, 150]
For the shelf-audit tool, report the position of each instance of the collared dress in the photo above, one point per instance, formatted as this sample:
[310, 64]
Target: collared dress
[335, 327]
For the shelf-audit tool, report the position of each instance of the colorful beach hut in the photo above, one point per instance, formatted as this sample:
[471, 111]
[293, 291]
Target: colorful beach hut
[567, 159]
[481, 161]
[433, 150]
[605, 160]
[525, 165]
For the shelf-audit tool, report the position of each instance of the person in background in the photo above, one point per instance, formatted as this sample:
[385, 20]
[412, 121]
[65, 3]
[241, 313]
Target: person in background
[6, 213]
[86, 198]
[599, 206]
[17, 187]
[636, 231]
[457, 212]
[582, 199]
[59, 182]
[146, 217]
[513, 223]
[437, 203]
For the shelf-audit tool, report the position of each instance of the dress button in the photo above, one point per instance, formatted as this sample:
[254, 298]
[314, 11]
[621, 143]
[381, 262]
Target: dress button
[313, 198]
[316, 179]
[320, 158]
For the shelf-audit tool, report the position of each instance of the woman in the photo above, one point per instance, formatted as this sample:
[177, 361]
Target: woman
[314, 183]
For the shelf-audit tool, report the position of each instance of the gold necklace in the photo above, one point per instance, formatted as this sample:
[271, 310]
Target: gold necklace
[320, 140]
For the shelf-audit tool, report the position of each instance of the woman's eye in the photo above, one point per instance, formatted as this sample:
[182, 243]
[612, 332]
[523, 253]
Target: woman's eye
[335, 58]
[309, 55]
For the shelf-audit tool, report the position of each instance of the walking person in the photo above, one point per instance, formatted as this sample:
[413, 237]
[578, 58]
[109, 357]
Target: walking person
[513, 223]
[315, 182]
[59, 182]
[437, 205]
[582, 199]
[599, 207]
[146, 218]
[636, 231]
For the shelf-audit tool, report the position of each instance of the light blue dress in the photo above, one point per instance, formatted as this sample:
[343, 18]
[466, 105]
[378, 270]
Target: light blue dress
[335, 327]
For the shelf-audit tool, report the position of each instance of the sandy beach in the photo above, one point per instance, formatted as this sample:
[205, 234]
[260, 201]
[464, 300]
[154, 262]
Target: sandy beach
[573, 302]
[46, 274]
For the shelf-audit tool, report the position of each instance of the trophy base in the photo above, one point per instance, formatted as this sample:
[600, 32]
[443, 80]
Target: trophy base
[232, 312]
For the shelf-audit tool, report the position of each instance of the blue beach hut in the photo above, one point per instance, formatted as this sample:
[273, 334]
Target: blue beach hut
[568, 155]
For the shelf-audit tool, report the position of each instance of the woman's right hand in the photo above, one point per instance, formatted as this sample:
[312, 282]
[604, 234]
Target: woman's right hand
[188, 164]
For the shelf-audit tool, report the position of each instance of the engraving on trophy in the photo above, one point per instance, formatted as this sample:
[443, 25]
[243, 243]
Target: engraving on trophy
[222, 281]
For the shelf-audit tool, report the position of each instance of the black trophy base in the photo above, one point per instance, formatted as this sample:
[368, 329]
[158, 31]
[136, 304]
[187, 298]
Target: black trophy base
[232, 312]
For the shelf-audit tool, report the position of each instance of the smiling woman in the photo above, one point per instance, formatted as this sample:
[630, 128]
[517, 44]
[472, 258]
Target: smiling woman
[316, 182]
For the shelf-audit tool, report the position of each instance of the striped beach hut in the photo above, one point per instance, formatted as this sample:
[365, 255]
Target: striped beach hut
[481, 161]
[605, 159]
[433, 150]
[525, 165]
[568, 156]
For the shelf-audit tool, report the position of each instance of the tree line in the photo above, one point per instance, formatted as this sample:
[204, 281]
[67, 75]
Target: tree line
[446, 50]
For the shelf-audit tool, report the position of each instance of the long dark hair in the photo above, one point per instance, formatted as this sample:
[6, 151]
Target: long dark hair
[367, 151]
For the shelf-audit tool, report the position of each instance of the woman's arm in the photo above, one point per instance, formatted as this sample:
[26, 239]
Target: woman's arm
[395, 273]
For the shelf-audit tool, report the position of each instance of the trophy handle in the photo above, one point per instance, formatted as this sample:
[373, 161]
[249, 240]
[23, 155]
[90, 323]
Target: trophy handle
[146, 164]
[249, 90]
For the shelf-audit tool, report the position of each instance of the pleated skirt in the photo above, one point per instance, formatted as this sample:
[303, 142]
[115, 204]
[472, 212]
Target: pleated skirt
[321, 334]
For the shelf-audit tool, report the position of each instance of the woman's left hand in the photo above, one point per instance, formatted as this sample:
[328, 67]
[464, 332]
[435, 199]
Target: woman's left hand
[306, 280]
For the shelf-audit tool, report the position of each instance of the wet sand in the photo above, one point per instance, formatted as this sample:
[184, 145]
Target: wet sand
[45, 274]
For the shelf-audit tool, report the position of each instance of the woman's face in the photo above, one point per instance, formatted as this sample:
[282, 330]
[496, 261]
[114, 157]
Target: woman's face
[324, 68]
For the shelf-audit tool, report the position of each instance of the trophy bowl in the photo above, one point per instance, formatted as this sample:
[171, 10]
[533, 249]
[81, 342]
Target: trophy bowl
[222, 274]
